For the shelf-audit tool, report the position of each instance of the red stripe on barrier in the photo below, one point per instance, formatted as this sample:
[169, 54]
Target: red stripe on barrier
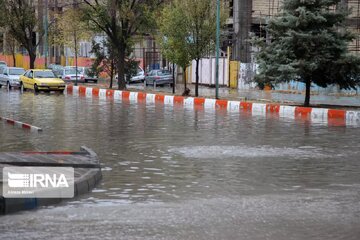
[141, 96]
[69, 88]
[246, 106]
[27, 126]
[273, 108]
[10, 121]
[125, 95]
[336, 118]
[159, 98]
[59, 153]
[95, 92]
[110, 93]
[338, 114]
[178, 99]
[303, 112]
[82, 90]
[221, 103]
[199, 101]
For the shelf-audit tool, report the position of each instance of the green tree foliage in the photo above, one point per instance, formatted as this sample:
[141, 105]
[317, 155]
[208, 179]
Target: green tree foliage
[19, 18]
[197, 30]
[70, 30]
[174, 37]
[309, 44]
[121, 20]
[105, 60]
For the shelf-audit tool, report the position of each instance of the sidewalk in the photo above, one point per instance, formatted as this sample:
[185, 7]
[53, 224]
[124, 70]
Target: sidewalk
[253, 95]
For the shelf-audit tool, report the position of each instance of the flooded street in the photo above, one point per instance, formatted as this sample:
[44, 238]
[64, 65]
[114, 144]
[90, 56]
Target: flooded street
[179, 173]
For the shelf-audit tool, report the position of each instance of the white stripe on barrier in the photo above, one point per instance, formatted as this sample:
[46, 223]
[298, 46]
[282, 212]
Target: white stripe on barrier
[352, 117]
[150, 98]
[189, 102]
[210, 103]
[169, 100]
[319, 115]
[133, 97]
[102, 93]
[233, 106]
[259, 109]
[287, 112]
[75, 90]
[89, 92]
[117, 95]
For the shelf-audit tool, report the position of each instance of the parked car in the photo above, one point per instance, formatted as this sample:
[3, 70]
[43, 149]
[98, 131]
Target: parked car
[57, 69]
[159, 77]
[41, 80]
[68, 74]
[86, 72]
[139, 77]
[2, 63]
[10, 76]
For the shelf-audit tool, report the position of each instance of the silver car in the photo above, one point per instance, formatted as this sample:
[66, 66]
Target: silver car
[69, 75]
[9, 76]
[159, 77]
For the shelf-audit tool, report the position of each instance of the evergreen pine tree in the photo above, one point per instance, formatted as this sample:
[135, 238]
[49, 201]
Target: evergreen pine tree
[309, 43]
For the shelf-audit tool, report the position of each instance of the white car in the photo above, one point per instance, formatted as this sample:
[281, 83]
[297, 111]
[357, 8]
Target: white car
[139, 77]
[9, 76]
[68, 74]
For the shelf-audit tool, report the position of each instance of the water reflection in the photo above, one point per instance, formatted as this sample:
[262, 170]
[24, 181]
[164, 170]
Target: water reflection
[201, 161]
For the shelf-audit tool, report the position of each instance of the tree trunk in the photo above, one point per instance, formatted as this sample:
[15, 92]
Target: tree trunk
[14, 58]
[197, 78]
[173, 73]
[112, 67]
[121, 67]
[307, 93]
[184, 68]
[32, 59]
[76, 59]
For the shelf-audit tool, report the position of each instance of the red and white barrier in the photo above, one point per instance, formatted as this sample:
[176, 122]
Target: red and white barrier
[332, 117]
[20, 124]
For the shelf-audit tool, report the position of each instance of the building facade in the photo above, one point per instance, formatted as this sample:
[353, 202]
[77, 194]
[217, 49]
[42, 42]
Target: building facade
[250, 17]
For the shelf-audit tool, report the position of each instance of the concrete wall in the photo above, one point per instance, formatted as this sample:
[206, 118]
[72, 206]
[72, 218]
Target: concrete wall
[207, 71]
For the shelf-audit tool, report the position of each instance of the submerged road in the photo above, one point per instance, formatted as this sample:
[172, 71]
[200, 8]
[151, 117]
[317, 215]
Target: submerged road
[175, 173]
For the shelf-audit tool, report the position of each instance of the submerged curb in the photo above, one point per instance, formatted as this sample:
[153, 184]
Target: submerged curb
[21, 124]
[333, 117]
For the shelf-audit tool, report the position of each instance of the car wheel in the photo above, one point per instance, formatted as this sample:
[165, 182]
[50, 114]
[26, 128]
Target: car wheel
[0, 85]
[8, 86]
[36, 89]
[22, 88]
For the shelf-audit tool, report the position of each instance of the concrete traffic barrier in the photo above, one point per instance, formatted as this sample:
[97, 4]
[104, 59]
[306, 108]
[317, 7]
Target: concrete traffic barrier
[333, 117]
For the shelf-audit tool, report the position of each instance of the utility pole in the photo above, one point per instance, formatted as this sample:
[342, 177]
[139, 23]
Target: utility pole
[217, 48]
[46, 32]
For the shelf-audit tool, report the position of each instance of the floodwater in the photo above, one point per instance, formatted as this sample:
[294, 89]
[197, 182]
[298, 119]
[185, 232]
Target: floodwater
[175, 173]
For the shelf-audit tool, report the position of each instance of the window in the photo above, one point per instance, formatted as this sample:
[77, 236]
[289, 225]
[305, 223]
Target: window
[44, 74]
[16, 71]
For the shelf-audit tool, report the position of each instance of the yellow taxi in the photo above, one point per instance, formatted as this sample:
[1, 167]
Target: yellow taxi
[41, 80]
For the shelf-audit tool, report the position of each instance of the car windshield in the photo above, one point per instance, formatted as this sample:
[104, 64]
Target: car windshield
[71, 71]
[44, 74]
[16, 71]
[163, 73]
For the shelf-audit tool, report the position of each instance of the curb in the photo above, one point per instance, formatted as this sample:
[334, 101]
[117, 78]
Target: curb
[331, 117]
[21, 124]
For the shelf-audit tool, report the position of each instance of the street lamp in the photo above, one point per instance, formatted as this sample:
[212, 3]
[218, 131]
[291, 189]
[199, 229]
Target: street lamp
[217, 48]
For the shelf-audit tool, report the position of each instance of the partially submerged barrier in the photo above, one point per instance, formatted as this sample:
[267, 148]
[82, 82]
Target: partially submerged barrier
[21, 124]
[333, 117]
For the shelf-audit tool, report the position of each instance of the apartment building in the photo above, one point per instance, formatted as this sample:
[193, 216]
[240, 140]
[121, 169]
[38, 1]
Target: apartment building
[249, 17]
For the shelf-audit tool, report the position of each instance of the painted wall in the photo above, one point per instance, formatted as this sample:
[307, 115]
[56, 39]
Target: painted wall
[207, 71]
